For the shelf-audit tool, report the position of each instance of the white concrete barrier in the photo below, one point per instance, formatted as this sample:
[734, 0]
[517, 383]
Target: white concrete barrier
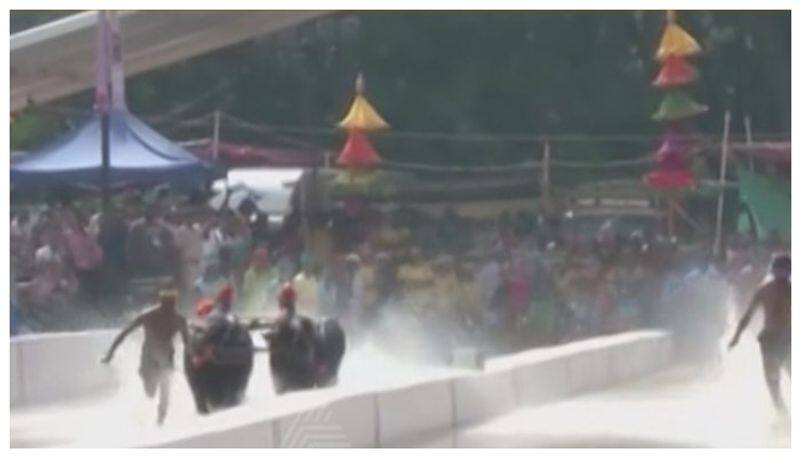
[664, 351]
[347, 422]
[50, 368]
[629, 361]
[60, 366]
[15, 370]
[414, 410]
[254, 434]
[542, 381]
[589, 369]
[482, 396]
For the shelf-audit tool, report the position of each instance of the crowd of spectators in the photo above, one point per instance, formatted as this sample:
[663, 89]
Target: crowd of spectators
[499, 283]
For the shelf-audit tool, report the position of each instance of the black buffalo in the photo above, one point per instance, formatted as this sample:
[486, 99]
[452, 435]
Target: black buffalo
[305, 354]
[219, 363]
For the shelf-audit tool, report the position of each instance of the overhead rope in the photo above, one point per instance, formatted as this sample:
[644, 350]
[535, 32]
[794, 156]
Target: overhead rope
[174, 117]
[481, 137]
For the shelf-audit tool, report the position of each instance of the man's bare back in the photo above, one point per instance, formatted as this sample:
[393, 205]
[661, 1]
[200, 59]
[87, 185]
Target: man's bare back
[160, 327]
[775, 298]
[161, 323]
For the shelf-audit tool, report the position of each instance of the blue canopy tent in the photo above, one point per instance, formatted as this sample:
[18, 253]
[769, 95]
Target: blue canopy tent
[138, 156]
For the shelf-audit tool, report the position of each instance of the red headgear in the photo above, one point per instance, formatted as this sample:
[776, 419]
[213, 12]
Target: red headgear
[225, 296]
[204, 307]
[287, 296]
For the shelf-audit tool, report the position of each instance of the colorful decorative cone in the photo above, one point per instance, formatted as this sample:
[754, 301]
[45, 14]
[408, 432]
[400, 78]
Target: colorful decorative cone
[357, 152]
[676, 71]
[669, 179]
[675, 41]
[671, 160]
[357, 182]
[673, 151]
[356, 178]
[362, 115]
[672, 171]
[677, 105]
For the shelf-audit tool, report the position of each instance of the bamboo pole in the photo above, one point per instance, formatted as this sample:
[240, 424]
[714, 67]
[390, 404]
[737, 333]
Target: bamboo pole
[670, 217]
[545, 176]
[681, 212]
[215, 136]
[749, 138]
[722, 173]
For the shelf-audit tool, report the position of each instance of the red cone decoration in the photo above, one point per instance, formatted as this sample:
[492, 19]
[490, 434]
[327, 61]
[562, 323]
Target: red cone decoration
[672, 168]
[673, 151]
[669, 179]
[357, 152]
[675, 72]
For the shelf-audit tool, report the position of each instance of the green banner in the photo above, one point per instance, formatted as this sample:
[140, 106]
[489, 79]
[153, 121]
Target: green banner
[769, 200]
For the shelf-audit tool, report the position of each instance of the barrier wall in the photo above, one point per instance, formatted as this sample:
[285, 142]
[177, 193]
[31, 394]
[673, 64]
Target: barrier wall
[482, 396]
[253, 434]
[413, 410]
[63, 366]
[59, 366]
[346, 422]
[525, 379]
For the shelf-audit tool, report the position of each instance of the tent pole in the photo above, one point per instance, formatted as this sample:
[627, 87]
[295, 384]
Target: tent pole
[722, 172]
[105, 152]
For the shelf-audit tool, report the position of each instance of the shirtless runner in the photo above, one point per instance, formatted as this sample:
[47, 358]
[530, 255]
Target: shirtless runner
[160, 323]
[775, 296]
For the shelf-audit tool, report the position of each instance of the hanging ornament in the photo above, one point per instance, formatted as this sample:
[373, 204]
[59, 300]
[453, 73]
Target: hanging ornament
[362, 115]
[669, 179]
[673, 151]
[676, 71]
[677, 105]
[670, 159]
[672, 169]
[676, 41]
[357, 152]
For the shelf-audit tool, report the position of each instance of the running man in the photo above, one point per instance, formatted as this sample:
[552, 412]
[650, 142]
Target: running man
[161, 323]
[775, 296]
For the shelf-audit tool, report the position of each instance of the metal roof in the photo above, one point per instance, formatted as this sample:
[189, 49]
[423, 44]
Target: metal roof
[56, 59]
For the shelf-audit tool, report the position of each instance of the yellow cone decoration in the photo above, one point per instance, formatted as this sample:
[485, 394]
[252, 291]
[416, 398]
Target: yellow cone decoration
[676, 41]
[362, 116]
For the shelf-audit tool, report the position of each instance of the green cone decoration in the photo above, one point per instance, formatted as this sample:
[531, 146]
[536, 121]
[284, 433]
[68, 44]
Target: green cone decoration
[356, 182]
[677, 105]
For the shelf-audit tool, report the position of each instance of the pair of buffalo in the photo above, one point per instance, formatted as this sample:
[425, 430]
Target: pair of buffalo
[303, 354]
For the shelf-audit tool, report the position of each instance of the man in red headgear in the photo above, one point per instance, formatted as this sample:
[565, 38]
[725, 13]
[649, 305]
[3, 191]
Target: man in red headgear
[204, 307]
[225, 299]
[286, 301]
[221, 356]
[213, 312]
[292, 346]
